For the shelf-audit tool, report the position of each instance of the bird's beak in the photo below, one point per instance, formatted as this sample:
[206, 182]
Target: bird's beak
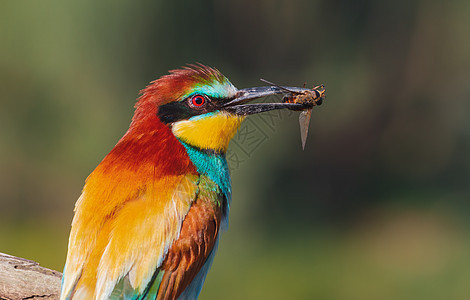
[238, 106]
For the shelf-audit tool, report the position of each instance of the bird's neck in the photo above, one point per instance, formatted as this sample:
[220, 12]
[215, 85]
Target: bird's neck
[212, 164]
[148, 150]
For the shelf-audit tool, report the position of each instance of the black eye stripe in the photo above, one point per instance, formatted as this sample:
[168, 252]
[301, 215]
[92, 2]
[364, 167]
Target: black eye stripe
[185, 109]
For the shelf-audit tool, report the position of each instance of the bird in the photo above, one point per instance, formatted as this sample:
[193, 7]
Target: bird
[148, 221]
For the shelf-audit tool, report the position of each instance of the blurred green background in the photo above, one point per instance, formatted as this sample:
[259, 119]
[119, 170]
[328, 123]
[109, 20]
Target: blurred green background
[377, 205]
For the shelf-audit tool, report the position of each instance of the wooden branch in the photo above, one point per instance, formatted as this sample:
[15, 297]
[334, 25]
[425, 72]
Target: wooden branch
[24, 279]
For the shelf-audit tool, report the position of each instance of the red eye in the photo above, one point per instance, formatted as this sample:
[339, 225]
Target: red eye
[198, 100]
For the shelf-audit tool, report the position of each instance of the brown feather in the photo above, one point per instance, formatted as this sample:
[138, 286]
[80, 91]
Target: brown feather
[189, 252]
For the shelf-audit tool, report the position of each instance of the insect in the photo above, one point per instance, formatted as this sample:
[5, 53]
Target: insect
[308, 97]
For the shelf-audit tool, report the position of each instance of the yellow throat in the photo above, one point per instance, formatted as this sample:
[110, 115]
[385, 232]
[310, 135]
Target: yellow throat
[211, 131]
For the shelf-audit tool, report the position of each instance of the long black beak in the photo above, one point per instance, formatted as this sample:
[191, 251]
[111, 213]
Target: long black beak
[238, 106]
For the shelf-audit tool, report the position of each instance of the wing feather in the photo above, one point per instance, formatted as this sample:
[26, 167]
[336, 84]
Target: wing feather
[190, 252]
[132, 242]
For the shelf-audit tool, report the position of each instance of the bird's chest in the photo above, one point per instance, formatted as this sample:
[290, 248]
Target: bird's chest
[213, 165]
[215, 176]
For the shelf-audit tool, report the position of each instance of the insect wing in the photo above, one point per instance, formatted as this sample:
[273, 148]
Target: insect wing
[278, 86]
[304, 121]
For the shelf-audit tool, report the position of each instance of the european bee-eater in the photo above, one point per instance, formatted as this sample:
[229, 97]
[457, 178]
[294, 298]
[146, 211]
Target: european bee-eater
[147, 223]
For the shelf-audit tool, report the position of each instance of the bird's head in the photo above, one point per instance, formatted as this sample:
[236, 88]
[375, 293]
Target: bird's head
[201, 107]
